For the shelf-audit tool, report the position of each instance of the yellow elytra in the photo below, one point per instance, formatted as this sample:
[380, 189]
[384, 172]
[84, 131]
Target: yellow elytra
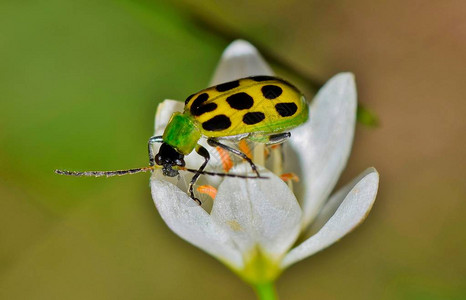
[258, 108]
[255, 105]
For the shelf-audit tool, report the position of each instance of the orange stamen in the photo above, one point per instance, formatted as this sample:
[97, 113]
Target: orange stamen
[208, 190]
[227, 163]
[266, 152]
[289, 176]
[244, 147]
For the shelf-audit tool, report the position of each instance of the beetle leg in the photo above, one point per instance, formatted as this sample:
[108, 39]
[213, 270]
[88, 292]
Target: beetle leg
[204, 153]
[215, 143]
[150, 143]
[269, 139]
[278, 138]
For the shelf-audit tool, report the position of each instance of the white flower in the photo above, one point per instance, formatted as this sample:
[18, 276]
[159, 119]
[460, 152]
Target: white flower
[254, 224]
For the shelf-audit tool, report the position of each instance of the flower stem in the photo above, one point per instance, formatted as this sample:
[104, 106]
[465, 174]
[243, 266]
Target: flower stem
[266, 291]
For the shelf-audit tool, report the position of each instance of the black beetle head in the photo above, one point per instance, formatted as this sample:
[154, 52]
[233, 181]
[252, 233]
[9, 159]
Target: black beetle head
[167, 158]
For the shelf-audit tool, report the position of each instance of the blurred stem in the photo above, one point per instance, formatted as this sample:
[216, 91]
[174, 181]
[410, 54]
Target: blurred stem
[266, 291]
[228, 35]
[205, 22]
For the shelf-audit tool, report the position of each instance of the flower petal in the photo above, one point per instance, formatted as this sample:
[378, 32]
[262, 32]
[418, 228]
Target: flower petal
[350, 214]
[261, 213]
[192, 223]
[164, 112]
[331, 206]
[240, 59]
[323, 144]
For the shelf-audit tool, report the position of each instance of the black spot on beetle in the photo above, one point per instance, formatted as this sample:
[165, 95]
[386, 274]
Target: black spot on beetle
[271, 91]
[252, 118]
[187, 99]
[197, 105]
[204, 109]
[240, 101]
[286, 109]
[262, 78]
[227, 86]
[217, 123]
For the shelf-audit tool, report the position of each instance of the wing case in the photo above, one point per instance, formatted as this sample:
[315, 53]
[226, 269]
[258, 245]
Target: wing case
[259, 104]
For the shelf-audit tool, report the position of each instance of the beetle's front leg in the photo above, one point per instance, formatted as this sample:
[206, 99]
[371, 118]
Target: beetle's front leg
[204, 153]
[150, 143]
[214, 143]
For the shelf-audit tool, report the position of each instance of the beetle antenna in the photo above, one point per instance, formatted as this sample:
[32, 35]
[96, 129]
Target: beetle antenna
[104, 173]
[146, 169]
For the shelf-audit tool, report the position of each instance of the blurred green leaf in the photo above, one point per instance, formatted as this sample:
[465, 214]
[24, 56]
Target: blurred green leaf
[367, 117]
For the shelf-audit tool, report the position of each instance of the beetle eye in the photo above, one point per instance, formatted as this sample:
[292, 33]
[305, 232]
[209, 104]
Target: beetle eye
[158, 159]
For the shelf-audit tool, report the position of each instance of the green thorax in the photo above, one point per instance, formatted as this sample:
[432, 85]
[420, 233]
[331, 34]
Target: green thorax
[181, 133]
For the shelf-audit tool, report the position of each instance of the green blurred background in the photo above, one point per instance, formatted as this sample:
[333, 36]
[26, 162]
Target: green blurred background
[79, 84]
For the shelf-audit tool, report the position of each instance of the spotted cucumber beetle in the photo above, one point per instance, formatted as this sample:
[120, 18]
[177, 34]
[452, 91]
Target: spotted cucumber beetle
[259, 108]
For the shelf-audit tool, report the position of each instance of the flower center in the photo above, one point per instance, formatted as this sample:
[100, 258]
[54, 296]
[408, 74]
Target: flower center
[259, 268]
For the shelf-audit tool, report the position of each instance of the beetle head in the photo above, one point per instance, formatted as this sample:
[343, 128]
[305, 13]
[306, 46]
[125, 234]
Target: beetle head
[167, 158]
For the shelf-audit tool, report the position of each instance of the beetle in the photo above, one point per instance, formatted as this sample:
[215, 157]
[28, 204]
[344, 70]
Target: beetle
[259, 108]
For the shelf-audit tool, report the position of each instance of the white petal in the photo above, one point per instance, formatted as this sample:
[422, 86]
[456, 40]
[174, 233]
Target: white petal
[192, 223]
[258, 212]
[240, 59]
[350, 214]
[164, 112]
[323, 144]
[331, 206]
